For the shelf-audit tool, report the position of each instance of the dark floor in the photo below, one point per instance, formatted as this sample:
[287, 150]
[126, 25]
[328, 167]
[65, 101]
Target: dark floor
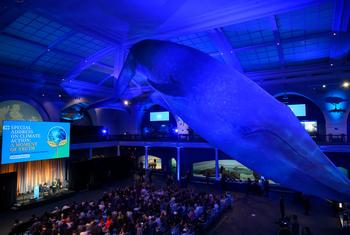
[250, 215]
[257, 215]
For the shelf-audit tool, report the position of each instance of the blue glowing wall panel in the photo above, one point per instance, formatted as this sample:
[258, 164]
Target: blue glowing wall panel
[25, 141]
[159, 116]
[298, 109]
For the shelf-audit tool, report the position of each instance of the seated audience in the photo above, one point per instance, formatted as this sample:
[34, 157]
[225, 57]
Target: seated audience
[140, 209]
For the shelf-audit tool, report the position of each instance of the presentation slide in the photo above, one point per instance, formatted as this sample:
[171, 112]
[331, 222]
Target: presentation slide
[24, 141]
[159, 116]
[298, 109]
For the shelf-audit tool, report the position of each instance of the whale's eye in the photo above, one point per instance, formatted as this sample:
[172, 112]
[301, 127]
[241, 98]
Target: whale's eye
[172, 79]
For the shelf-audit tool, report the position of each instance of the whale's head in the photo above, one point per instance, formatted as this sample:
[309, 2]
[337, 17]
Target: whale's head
[169, 67]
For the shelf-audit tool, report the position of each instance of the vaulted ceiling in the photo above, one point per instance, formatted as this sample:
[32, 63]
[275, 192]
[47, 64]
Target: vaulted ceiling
[80, 46]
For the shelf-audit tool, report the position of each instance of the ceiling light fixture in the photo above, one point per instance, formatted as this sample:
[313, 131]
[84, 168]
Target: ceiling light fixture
[346, 84]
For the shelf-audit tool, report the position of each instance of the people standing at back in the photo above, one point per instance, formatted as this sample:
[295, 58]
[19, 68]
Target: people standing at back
[295, 225]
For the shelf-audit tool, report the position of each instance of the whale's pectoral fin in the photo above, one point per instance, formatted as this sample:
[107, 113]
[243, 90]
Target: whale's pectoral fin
[171, 88]
[125, 76]
[157, 98]
[127, 73]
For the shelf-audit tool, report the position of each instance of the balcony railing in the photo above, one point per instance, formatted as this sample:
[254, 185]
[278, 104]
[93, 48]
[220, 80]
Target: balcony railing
[135, 137]
[331, 139]
[319, 139]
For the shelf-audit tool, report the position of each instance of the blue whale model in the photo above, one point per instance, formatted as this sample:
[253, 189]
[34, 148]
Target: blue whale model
[235, 115]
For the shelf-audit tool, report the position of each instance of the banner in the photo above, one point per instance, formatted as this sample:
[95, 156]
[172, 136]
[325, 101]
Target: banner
[24, 141]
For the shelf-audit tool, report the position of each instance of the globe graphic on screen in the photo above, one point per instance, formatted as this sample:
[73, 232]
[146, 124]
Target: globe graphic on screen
[56, 137]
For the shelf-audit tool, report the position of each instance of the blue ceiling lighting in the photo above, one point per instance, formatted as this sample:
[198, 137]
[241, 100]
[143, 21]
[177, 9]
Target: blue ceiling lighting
[54, 63]
[16, 52]
[108, 60]
[200, 41]
[259, 58]
[82, 45]
[307, 21]
[55, 41]
[307, 50]
[250, 33]
[92, 76]
[36, 28]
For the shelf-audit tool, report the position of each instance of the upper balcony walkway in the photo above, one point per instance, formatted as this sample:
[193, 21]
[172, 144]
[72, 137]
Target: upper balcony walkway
[329, 143]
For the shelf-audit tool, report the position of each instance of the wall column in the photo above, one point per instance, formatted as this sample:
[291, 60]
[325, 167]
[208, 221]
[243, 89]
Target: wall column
[118, 151]
[146, 157]
[178, 163]
[217, 176]
[90, 152]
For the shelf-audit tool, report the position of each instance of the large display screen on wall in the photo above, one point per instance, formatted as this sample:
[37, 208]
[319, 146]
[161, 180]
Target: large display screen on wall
[310, 126]
[298, 109]
[24, 141]
[159, 116]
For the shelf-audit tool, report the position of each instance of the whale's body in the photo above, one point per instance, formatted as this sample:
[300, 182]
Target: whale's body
[234, 114]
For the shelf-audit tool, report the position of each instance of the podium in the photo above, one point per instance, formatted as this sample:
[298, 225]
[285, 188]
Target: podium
[36, 192]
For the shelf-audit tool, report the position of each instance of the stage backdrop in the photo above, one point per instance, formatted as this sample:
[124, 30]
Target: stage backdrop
[29, 174]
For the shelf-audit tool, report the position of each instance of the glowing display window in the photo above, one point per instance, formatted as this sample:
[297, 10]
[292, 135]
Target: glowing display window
[310, 126]
[299, 110]
[159, 116]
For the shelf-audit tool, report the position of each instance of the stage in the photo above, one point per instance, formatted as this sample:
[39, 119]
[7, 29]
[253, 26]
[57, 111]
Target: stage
[26, 201]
